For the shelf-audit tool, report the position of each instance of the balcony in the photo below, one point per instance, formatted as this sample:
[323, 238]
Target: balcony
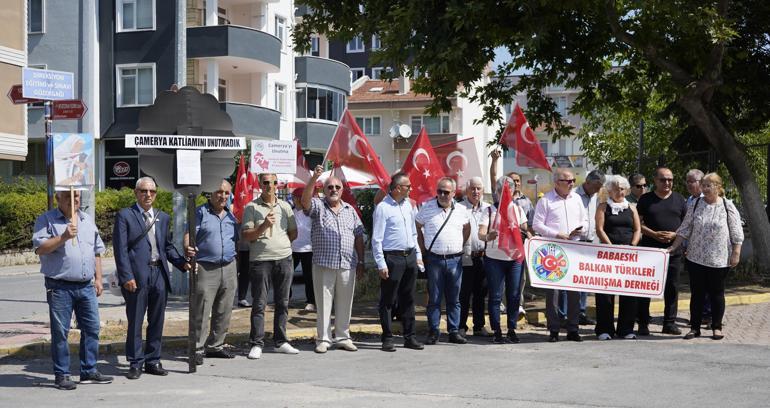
[314, 134]
[249, 49]
[566, 161]
[322, 71]
[253, 121]
[436, 139]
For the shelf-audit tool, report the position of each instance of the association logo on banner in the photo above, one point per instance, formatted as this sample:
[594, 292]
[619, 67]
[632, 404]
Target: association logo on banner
[273, 156]
[550, 262]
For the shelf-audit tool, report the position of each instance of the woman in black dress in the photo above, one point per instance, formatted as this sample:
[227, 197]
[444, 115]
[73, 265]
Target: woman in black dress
[617, 222]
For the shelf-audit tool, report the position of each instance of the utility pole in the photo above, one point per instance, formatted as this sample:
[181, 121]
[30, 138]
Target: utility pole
[641, 147]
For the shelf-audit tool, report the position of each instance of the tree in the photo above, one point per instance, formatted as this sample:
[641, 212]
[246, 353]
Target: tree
[711, 58]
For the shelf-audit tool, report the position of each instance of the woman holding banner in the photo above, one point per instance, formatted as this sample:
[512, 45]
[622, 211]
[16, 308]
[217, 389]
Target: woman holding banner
[713, 229]
[617, 223]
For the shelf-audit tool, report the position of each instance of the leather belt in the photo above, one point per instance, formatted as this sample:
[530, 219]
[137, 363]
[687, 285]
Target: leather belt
[399, 252]
[447, 256]
[477, 254]
[216, 264]
[154, 263]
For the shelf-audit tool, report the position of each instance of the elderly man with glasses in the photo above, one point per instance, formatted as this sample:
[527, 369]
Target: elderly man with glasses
[337, 235]
[561, 214]
[269, 226]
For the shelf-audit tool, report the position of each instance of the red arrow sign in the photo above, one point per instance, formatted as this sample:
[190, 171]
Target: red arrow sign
[15, 95]
[69, 109]
[531, 181]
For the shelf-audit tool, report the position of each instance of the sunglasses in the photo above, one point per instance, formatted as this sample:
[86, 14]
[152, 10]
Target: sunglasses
[666, 180]
[269, 182]
[333, 187]
[145, 191]
[568, 181]
[641, 185]
[444, 192]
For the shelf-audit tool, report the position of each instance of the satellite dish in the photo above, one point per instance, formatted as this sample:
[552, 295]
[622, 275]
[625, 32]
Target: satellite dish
[405, 131]
[393, 131]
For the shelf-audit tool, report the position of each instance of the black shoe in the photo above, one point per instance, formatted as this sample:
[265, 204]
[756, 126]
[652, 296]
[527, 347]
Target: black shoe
[432, 338]
[221, 353]
[671, 329]
[691, 335]
[456, 338]
[64, 382]
[499, 339]
[574, 336]
[134, 373]
[412, 343]
[95, 378]
[553, 337]
[198, 358]
[387, 345]
[513, 337]
[585, 320]
[155, 369]
[644, 330]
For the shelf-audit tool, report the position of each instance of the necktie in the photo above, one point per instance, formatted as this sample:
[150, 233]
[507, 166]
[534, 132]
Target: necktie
[151, 236]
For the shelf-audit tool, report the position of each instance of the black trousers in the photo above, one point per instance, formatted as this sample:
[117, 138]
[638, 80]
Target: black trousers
[670, 295]
[398, 288]
[306, 259]
[706, 280]
[474, 286]
[243, 275]
[605, 314]
[150, 300]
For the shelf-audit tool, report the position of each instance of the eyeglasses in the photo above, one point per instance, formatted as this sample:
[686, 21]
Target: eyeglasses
[333, 187]
[444, 192]
[666, 180]
[407, 186]
[568, 181]
[145, 191]
[269, 182]
[640, 185]
[517, 181]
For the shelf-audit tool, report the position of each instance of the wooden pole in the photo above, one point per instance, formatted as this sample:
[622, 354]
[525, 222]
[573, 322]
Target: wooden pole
[74, 215]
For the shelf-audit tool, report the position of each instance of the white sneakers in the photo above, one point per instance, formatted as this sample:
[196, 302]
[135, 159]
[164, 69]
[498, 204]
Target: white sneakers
[347, 345]
[287, 348]
[321, 347]
[522, 313]
[310, 307]
[630, 336]
[605, 336]
[255, 353]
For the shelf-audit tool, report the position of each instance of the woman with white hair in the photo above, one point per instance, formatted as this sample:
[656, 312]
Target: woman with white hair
[617, 223]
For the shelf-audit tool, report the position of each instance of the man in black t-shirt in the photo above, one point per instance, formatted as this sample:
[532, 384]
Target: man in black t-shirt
[661, 212]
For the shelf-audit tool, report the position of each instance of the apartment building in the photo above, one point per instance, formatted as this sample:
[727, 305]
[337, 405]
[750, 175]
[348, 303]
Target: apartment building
[13, 57]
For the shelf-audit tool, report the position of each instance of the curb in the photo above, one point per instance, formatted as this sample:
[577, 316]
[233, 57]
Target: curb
[533, 317]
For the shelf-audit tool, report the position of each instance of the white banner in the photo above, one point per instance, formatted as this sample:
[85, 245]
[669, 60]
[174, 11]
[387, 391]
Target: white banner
[587, 267]
[273, 156]
[186, 142]
[73, 160]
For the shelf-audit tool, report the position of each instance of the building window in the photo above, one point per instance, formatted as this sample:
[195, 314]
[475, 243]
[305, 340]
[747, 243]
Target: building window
[370, 125]
[280, 99]
[222, 16]
[280, 29]
[320, 103]
[35, 16]
[136, 84]
[377, 73]
[563, 147]
[432, 124]
[315, 46]
[135, 15]
[561, 105]
[376, 43]
[544, 147]
[222, 89]
[355, 45]
[356, 73]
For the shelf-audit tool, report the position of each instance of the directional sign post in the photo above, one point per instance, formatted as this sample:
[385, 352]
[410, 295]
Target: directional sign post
[15, 95]
[69, 109]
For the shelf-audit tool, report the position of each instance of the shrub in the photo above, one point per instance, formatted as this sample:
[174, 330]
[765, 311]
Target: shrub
[18, 212]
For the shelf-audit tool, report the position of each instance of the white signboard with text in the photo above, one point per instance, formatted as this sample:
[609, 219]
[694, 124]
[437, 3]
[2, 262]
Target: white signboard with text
[185, 142]
[273, 156]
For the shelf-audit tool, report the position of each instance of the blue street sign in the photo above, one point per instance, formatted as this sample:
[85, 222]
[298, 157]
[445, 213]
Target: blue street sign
[47, 84]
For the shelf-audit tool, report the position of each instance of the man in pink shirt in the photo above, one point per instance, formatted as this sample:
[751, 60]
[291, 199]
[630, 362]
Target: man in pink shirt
[561, 214]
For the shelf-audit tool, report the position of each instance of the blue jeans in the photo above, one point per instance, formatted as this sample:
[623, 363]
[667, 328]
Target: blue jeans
[63, 298]
[444, 278]
[563, 303]
[499, 272]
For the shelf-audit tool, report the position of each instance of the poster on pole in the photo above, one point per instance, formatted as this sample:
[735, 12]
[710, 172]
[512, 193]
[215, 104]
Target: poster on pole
[273, 156]
[73, 158]
[588, 267]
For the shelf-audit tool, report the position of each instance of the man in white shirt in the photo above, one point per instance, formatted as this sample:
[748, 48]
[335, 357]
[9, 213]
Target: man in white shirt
[561, 214]
[442, 230]
[474, 284]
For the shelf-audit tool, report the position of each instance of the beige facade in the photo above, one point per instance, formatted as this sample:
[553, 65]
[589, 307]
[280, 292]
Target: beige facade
[13, 56]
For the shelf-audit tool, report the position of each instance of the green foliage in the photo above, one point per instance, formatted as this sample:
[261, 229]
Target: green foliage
[18, 212]
[23, 185]
[365, 200]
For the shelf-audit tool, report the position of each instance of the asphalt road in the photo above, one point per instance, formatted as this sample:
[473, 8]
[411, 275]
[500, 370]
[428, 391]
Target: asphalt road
[660, 372]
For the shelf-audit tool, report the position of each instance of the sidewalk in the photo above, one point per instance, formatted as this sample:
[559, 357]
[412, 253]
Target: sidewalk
[33, 339]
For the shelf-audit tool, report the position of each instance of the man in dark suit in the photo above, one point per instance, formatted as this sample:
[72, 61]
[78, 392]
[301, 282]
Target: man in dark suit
[143, 249]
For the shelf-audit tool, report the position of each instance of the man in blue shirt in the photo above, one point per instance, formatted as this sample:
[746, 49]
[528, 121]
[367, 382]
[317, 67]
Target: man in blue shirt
[216, 240]
[395, 250]
[70, 261]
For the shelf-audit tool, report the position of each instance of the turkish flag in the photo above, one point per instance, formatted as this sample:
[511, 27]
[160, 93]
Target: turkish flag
[519, 136]
[347, 193]
[301, 174]
[243, 190]
[423, 168]
[350, 147]
[509, 234]
[460, 161]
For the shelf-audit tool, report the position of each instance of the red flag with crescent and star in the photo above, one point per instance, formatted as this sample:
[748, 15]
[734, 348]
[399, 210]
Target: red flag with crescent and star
[423, 168]
[460, 161]
[350, 147]
[244, 192]
[509, 234]
[520, 137]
